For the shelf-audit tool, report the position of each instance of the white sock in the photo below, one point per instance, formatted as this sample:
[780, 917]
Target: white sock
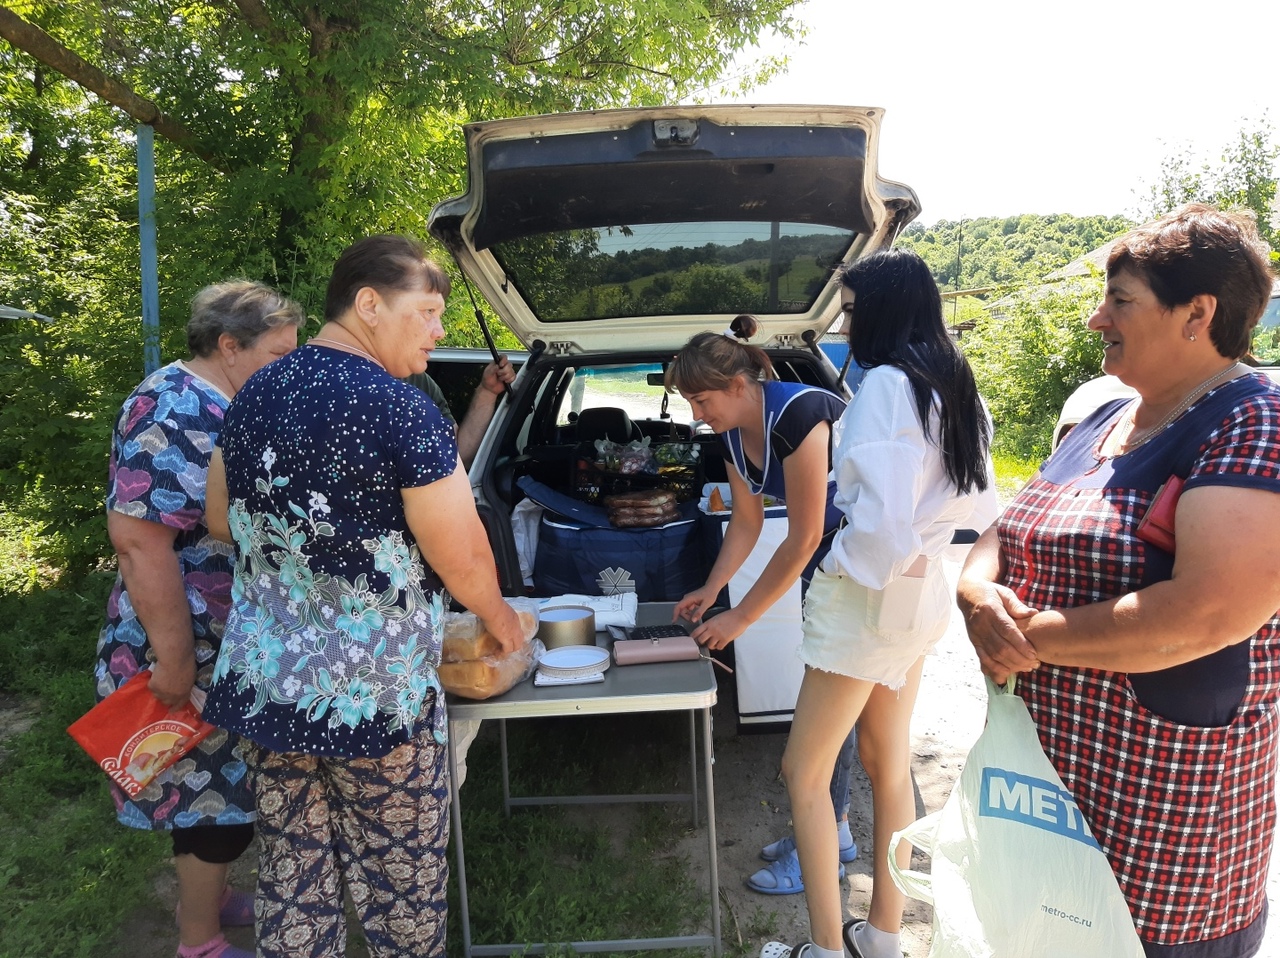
[874, 943]
[842, 830]
[816, 952]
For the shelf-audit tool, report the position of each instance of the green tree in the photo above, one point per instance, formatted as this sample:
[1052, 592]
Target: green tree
[1030, 355]
[285, 130]
[1008, 252]
[1245, 175]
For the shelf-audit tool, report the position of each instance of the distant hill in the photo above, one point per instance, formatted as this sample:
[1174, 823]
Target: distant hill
[1008, 251]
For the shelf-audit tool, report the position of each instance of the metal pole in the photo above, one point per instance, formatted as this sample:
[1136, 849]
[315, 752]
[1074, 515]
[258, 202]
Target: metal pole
[147, 239]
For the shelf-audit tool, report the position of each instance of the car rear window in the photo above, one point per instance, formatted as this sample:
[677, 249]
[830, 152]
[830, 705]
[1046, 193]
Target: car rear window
[668, 269]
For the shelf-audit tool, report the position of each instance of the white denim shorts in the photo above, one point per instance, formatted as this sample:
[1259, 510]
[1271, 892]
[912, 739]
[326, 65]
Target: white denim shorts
[874, 634]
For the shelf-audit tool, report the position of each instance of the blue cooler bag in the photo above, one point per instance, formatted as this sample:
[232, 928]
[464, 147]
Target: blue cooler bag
[660, 564]
[580, 552]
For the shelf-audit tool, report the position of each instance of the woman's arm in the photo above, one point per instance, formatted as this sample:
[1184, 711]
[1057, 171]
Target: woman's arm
[746, 519]
[149, 567]
[442, 517]
[1225, 586]
[216, 499]
[805, 476]
[992, 612]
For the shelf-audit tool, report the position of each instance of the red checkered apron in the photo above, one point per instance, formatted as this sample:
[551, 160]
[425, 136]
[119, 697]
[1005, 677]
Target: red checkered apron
[1185, 814]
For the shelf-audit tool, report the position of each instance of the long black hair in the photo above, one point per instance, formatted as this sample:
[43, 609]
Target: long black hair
[897, 321]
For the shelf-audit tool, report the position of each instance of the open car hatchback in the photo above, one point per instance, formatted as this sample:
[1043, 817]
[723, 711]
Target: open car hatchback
[605, 241]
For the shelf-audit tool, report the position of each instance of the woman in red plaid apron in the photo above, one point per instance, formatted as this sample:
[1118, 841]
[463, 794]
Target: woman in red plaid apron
[1149, 649]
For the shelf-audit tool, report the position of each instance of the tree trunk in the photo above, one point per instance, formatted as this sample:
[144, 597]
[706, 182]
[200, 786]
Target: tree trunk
[34, 41]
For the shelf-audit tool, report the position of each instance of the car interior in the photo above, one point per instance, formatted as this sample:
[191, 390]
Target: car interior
[565, 405]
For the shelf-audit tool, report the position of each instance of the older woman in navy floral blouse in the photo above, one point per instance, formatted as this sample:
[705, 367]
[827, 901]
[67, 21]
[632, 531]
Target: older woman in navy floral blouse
[350, 514]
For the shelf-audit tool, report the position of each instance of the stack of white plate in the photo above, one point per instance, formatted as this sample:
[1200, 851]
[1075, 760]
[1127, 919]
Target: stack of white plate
[576, 663]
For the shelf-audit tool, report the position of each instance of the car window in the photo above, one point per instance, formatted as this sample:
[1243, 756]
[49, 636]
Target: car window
[669, 269]
[626, 387]
[1266, 335]
[458, 380]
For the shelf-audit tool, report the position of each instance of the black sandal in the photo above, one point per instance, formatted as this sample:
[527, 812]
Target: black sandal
[847, 932]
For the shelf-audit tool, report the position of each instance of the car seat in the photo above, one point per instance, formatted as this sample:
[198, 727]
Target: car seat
[606, 422]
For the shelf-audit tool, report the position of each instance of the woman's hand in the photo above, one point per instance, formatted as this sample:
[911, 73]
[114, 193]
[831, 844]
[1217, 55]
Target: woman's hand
[172, 681]
[506, 629]
[720, 630]
[994, 616]
[696, 604]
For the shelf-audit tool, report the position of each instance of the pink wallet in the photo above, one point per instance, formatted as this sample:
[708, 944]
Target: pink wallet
[670, 648]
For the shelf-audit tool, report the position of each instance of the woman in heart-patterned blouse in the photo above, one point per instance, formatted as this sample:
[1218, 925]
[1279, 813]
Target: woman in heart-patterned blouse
[171, 598]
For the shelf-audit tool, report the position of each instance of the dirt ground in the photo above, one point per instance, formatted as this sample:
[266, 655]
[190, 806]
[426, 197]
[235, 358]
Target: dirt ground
[752, 810]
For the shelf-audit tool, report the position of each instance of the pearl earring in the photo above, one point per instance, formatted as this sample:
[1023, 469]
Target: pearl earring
[1193, 337]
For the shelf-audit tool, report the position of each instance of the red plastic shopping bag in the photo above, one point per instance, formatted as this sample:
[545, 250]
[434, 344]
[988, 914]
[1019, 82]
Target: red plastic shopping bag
[133, 736]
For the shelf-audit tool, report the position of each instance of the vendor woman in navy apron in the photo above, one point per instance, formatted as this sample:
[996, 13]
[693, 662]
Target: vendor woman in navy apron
[777, 438]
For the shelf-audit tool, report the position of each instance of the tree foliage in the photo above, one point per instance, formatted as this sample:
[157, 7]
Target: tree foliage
[1006, 252]
[1244, 176]
[1030, 355]
[285, 131]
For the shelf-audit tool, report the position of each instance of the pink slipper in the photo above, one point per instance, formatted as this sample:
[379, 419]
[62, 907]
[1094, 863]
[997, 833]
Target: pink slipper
[217, 948]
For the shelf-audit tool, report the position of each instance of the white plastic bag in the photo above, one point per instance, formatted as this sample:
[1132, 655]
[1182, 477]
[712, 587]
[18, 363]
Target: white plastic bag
[1016, 871]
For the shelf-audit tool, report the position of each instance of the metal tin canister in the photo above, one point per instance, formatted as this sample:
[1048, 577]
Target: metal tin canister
[567, 625]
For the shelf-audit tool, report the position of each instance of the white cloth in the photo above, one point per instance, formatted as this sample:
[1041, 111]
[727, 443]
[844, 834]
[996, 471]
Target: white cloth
[619, 610]
[541, 678]
[892, 486]
[525, 518]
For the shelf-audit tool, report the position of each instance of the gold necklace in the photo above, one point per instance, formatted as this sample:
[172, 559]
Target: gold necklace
[346, 346]
[1131, 443]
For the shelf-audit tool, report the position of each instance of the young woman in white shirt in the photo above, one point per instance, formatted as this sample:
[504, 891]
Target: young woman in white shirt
[912, 461]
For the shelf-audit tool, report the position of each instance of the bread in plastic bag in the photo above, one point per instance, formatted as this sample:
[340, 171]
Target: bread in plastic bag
[473, 665]
[491, 675]
[466, 638]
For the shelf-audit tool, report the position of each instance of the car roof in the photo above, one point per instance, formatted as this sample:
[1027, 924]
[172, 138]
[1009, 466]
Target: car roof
[575, 226]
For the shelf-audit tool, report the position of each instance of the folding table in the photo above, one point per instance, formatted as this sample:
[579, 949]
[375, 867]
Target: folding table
[663, 687]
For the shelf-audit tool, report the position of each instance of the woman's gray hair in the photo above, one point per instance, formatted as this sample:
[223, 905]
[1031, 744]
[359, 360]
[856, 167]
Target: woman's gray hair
[242, 309]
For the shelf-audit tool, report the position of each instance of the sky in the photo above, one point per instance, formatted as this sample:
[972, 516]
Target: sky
[994, 108]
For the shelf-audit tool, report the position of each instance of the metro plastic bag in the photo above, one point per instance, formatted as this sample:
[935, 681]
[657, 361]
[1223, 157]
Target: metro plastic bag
[133, 736]
[1016, 871]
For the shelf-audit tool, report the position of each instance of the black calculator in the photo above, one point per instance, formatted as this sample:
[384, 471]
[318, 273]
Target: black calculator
[655, 631]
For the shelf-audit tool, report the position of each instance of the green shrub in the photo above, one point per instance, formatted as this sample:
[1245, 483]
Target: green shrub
[1029, 353]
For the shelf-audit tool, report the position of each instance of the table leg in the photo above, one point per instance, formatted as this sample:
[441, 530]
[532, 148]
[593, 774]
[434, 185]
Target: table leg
[506, 773]
[455, 812]
[708, 761]
[693, 762]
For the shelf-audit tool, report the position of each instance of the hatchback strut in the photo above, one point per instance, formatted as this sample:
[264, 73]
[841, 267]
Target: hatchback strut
[484, 326]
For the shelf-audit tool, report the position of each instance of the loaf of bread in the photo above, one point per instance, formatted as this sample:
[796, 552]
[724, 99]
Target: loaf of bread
[487, 677]
[466, 639]
[640, 518]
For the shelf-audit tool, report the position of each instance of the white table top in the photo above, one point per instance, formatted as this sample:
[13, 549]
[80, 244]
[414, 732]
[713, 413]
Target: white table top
[655, 687]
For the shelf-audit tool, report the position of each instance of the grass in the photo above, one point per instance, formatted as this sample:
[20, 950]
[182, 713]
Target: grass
[69, 875]
[571, 873]
[1012, 473]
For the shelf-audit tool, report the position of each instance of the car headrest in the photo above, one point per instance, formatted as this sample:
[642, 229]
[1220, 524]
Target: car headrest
[606, 422]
